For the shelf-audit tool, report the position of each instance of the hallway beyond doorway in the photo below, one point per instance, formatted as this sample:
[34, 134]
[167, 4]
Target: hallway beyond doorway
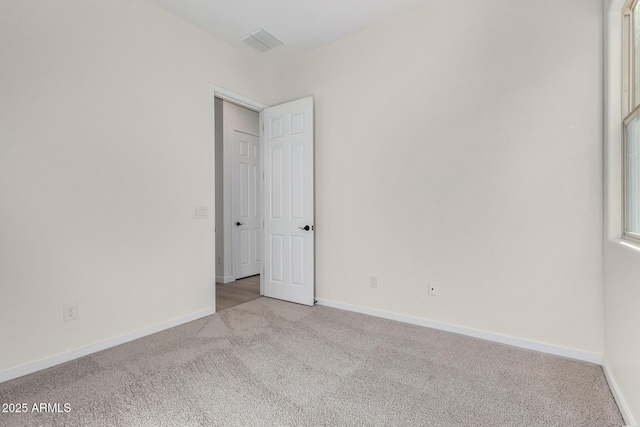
[234, 293]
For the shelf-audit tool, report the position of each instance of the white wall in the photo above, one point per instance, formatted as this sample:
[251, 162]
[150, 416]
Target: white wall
[461, 144]
[621, 262]
[458, 144]
[247, 121]
[104, 152]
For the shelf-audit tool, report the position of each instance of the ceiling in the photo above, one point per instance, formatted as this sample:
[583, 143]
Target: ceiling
[303, 25]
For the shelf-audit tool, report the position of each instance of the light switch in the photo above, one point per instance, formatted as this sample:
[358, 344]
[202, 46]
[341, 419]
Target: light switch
[200, 212]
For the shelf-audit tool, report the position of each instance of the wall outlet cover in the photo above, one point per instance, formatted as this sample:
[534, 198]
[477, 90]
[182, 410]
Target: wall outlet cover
[70, 311]
[433, 289]
[373, 281]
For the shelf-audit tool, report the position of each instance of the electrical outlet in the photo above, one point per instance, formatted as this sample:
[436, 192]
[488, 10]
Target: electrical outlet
[433, 289]
[219, 259]
[70, 311]
[200, 212]
[373, 281]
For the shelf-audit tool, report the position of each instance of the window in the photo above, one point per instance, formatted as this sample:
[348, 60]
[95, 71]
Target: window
[631, 170]
[631, 134]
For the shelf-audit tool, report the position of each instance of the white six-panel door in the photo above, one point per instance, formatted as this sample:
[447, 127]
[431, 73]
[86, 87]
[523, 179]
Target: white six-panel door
[246, 205]
[288, 202]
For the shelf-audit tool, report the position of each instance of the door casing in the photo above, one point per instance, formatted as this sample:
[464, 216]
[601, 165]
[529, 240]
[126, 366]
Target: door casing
[251, 104]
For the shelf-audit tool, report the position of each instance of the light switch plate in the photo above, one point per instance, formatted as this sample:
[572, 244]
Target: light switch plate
[200, 212]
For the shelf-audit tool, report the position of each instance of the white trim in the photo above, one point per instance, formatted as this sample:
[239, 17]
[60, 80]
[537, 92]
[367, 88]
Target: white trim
[236, 98]
[58, 359]
[261, 132]
[556, 350]
[632, 245]
[212, 200]
[225, 279]
[617, 395]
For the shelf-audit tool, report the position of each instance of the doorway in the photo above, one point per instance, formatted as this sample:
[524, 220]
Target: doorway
[284, 198]
[237, 204]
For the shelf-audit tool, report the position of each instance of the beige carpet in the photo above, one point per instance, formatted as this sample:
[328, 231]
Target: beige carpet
[268, 362]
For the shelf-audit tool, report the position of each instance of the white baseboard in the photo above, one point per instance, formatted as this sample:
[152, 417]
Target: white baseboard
[225, 279]
[48, 362]
[629, 419]
[556, 350]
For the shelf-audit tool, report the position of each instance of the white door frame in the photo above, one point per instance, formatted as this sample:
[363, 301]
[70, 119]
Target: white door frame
[251, 104]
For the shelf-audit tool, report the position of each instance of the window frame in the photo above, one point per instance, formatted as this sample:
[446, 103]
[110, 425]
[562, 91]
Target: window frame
[625, 233]
[629, 112]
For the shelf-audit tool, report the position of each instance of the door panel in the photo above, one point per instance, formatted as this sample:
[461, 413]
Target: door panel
[277, 261]
[288, 199]
[275, 162]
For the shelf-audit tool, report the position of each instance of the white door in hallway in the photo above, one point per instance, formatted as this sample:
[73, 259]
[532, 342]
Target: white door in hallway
[246, 205]
[288, 202]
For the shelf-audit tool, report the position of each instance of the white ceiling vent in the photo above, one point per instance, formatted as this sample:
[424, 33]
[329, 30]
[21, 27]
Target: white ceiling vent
[261, 40]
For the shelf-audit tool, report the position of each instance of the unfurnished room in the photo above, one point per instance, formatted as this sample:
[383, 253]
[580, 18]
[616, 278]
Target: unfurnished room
[295, 213]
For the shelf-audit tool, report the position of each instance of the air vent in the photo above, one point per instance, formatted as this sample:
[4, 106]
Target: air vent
[261, 40]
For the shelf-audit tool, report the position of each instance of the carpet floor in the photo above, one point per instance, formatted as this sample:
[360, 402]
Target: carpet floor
[268, 362]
